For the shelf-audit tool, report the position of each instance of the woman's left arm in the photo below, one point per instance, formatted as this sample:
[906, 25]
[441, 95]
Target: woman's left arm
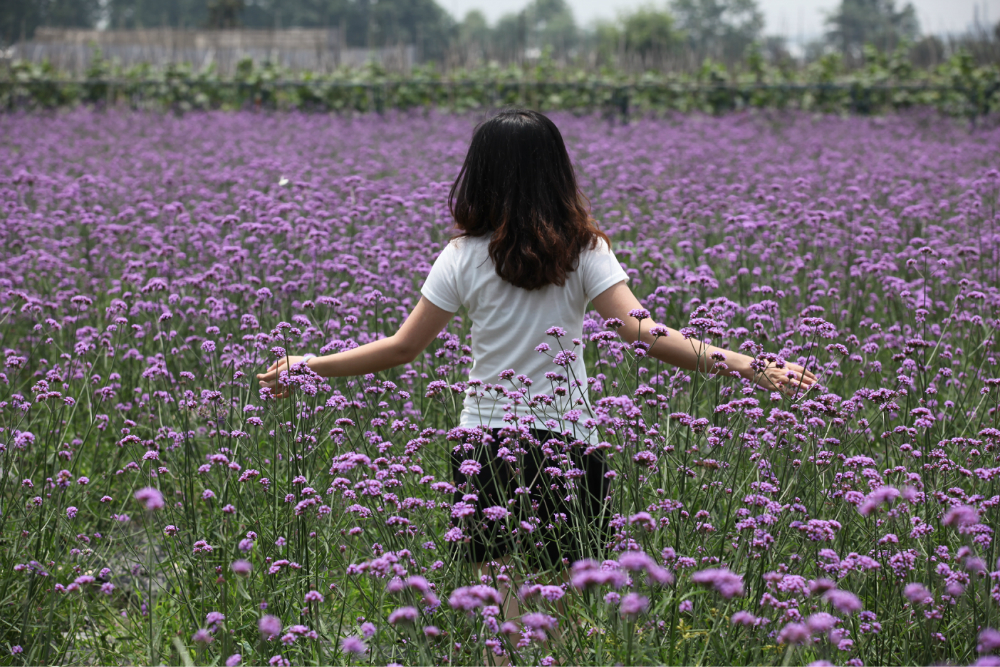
[419, 329]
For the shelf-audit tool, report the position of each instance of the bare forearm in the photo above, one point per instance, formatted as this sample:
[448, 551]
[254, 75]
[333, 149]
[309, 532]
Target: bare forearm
[373, 357]
[687, 353]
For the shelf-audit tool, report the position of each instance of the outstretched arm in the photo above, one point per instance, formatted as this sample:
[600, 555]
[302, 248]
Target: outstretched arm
[419, 329]
[689, 353]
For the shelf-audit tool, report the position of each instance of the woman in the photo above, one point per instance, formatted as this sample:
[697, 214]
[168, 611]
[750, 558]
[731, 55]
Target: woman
[527, 262]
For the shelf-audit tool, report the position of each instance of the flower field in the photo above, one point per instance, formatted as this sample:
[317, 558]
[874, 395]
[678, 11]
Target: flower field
[157, 506]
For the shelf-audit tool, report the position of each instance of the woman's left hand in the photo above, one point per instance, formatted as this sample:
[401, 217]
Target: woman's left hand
[269, 378]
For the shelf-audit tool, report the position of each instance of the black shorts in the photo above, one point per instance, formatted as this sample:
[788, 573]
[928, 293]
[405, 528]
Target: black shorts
[555, 518]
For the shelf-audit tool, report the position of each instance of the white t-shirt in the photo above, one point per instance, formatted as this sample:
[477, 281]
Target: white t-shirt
[509, 323]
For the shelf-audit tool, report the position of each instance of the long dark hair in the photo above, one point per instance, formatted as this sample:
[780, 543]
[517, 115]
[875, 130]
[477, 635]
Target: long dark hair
[518, 185]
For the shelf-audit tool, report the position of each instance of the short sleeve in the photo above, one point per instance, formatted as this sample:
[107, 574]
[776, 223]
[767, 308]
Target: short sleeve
[441, 286]
[600, 269]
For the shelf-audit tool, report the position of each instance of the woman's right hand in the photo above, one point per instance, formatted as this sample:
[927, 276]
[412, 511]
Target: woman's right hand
[791, 380]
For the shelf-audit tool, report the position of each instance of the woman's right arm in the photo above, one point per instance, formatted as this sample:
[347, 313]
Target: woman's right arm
[418, 331]
[690, 353]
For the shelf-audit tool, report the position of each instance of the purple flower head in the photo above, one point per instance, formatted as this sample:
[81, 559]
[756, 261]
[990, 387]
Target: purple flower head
[635, 561]
[989, 640]
[843, 601]
[883, 494]
[917, 594]
[403, 615]
[71, 512]
[725, 582]
[960, 515]
[820, 586]
[368, 629]
[241, 567]
[269, 626]
[470, 468]
[151, 498]
[821, 622]
[743, 618]
[538, 621]
[471, 597]
[202, 636]
[794, 633]
[354, 645]
[234, 660]
[588, 574]
[632, 605]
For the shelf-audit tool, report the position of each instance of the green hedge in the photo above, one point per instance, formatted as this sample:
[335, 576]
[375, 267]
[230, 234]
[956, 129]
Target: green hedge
[958, 87]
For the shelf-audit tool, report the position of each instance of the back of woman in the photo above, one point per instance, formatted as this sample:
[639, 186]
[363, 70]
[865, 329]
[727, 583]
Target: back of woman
[528, 332]
[527, 261]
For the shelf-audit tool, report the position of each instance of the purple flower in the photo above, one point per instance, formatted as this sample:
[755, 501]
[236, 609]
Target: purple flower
[743, 618]
[843, 601]
[917, 593]
[71, 512]
[403, 615]
[234, 660]
[151, 498]
[725, 582]
[821, 622]
[632, 605]
[470, 468]
[538, 621]
[471, 597]
[794, 633]
[353, 645]
[241, 567]
[368, 629]
[270, 626]
[989, 640]
[202, 636]
[883, 494]
[960, 515]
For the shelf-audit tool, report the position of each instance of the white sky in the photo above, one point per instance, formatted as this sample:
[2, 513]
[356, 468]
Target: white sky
[790, 18]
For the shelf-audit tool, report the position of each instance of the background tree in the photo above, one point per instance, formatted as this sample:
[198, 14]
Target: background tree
[856, 23]
[650, 35]
[20, 18]
[128, 14]
[551, 23]
[475, 39]
[224, 14]
[509, 37]
[719, 29]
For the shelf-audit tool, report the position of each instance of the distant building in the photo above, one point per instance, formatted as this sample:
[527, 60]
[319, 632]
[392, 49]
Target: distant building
[313, 49]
